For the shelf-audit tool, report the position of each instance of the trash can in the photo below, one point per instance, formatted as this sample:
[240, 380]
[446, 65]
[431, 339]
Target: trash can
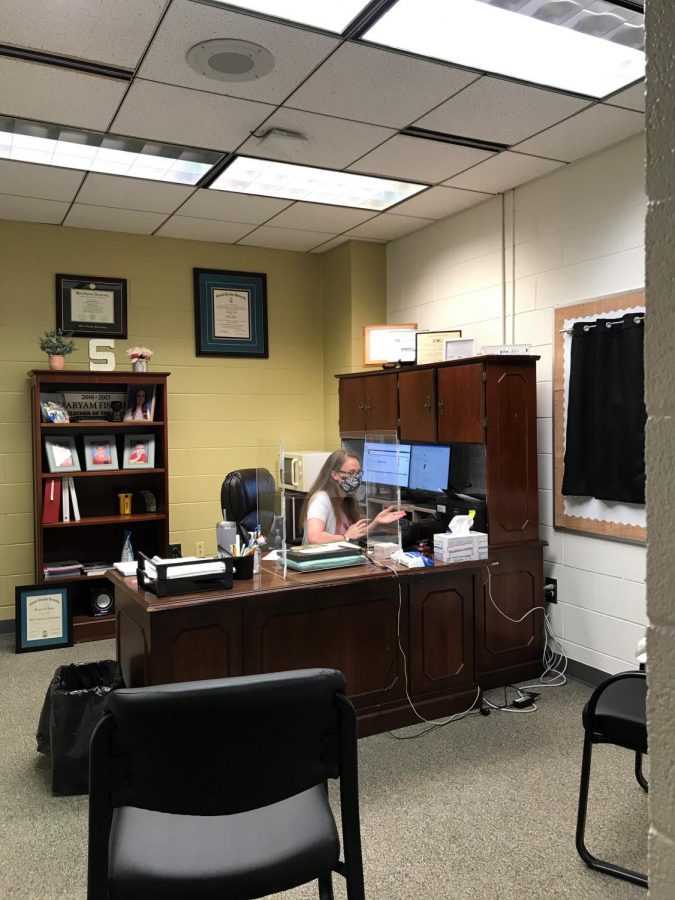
[73, 706]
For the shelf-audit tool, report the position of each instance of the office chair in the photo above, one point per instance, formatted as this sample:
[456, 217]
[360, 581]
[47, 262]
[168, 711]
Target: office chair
[218, 789]
[615, 714]
[248, 497]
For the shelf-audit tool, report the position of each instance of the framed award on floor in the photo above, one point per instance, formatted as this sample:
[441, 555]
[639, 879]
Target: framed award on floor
[43, 618]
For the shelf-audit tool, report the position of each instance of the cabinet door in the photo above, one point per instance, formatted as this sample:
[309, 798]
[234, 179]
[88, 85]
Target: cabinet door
[381, 398]
[352, 405]
[515, 586]
[512, 454]
[417, 398]
[461, 410]
[441, 632]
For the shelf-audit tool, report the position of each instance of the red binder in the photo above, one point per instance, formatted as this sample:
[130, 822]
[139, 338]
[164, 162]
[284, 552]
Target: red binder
[51, 504]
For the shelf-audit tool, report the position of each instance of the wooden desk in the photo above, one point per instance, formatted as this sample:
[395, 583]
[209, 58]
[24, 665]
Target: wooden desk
[346, 619]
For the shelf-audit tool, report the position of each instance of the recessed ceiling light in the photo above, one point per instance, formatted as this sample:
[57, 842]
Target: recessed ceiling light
[53, 145]
[230, 59]
[588, 47]
[333, 16]
[246, 175]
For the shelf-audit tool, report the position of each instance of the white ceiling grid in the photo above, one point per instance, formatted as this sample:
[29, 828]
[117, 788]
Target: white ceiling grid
[348, 98]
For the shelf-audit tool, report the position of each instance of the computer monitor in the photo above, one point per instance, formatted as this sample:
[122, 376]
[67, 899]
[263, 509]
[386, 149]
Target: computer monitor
[429, 468]
[386, 463]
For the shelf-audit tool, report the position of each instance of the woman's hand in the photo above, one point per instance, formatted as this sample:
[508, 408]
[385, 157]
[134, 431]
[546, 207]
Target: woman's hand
[388, 515]
[356, 531]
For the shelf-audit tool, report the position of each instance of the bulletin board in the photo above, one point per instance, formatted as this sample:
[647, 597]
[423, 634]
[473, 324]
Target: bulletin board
[621, 521]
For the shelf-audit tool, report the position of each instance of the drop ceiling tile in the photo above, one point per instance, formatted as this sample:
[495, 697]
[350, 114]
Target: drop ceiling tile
[630, 98]
[107, 219]
[113, 33]
[203, 229]
[504, 171]
[232, 207]
[343, 239]
[418, 159]
[439, 202]
[44, 182]
[28, 209]
[356, 83]
[494, 110]
[590, 130]
[388, 226]
[331, 143]
[132, 193]
[51, 94]
[296, 51]
[192, 118]
[285, 238]
[320, 217]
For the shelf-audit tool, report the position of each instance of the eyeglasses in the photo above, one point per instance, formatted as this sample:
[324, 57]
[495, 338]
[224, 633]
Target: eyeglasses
[343, 472]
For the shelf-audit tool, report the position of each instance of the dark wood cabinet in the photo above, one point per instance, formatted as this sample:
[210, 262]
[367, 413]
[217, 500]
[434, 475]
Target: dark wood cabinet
[417, 402]
[99, 533]
[369, 403]
[461, 404]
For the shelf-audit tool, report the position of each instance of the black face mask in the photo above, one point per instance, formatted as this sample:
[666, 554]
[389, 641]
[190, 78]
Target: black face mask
[350, 483]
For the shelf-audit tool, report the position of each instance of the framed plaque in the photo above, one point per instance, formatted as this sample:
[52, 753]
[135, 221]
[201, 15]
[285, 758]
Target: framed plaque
[43, 618]
[384, 344]
[230, 313]
[91, 306]
[430, 345]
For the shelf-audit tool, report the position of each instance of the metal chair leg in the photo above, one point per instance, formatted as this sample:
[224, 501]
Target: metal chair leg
[326, 888]
[641, 780]
[591, 861]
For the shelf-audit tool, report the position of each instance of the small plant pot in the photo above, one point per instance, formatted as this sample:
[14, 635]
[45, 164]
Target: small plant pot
[139, 365]
[57, 362]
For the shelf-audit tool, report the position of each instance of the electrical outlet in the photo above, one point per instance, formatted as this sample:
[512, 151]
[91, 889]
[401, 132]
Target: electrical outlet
[175, 551]
[200, 548]
[551, 590]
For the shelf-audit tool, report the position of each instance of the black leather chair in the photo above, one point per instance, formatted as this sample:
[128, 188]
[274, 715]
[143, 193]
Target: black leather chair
[218, 789]
[615, 714]
[248, 497]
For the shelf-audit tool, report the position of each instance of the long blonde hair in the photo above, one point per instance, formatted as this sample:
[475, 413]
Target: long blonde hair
[341, 503]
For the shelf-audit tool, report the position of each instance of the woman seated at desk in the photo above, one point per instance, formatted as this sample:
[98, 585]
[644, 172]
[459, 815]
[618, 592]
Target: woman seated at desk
[331, 512]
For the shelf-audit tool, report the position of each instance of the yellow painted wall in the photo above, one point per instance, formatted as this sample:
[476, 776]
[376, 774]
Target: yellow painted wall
[221, 411]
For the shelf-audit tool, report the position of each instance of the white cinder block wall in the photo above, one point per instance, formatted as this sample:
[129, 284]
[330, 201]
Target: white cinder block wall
[579, 235]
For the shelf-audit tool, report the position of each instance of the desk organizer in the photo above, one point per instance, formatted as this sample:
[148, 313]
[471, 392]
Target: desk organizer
[189, 584]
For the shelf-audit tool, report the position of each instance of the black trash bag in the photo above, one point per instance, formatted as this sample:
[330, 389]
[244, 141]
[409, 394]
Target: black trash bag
[72, 708]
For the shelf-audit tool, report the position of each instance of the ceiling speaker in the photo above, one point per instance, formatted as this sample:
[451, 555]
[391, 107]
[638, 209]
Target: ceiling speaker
[101, 600]
[229, 59]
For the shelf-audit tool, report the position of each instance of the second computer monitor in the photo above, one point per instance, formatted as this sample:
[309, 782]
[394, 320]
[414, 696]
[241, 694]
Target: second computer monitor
[429, 468]
[386, 463]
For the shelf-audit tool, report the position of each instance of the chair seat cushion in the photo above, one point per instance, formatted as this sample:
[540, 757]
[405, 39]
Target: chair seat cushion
[250, 854]
[621, 715]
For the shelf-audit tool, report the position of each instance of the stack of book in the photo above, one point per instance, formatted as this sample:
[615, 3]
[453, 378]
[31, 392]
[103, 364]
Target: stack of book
[67, 568]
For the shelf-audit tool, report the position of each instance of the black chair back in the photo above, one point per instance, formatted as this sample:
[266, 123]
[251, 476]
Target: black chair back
[226, 745]
[248, 496]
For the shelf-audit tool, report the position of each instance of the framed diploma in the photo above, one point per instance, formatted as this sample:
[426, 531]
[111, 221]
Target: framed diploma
[430, 345]
[230, 313]
[43, 618]
[90, 306]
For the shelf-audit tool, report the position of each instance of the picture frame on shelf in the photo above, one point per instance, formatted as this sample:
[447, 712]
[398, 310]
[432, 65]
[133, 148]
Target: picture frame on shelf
[91, 305]
[430, 345]
[459, 348]
[43, 617]
[230, 313]
[53, 408]
[62, 454]
[139, 451]
[100, 452]
[389, 344]
[140, 404]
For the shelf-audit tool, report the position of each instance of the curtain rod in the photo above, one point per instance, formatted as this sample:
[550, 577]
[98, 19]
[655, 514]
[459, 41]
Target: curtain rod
[636, 319]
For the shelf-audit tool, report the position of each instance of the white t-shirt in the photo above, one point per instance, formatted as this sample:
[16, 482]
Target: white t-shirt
[320, 507]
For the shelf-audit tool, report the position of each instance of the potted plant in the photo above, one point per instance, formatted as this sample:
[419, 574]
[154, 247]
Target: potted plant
[139, 357]
[57, 344]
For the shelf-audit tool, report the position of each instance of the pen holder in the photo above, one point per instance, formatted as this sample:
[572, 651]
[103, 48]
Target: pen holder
[125, 504]
[243, 567]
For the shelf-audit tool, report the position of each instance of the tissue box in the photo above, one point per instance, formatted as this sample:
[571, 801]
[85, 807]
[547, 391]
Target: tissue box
[453, 548]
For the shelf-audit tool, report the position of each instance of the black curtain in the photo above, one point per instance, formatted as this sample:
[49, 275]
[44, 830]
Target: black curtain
[605, 438]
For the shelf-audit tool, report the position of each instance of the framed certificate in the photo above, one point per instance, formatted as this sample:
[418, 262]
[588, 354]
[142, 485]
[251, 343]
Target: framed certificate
[430, 345]
[43, 618]
[388, 344]
[230, 313]
[91, 306]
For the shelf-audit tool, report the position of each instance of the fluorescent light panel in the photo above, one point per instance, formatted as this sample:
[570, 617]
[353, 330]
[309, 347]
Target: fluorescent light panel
[51, 145]
[333, 16]
[247, 175]
[531, 40]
